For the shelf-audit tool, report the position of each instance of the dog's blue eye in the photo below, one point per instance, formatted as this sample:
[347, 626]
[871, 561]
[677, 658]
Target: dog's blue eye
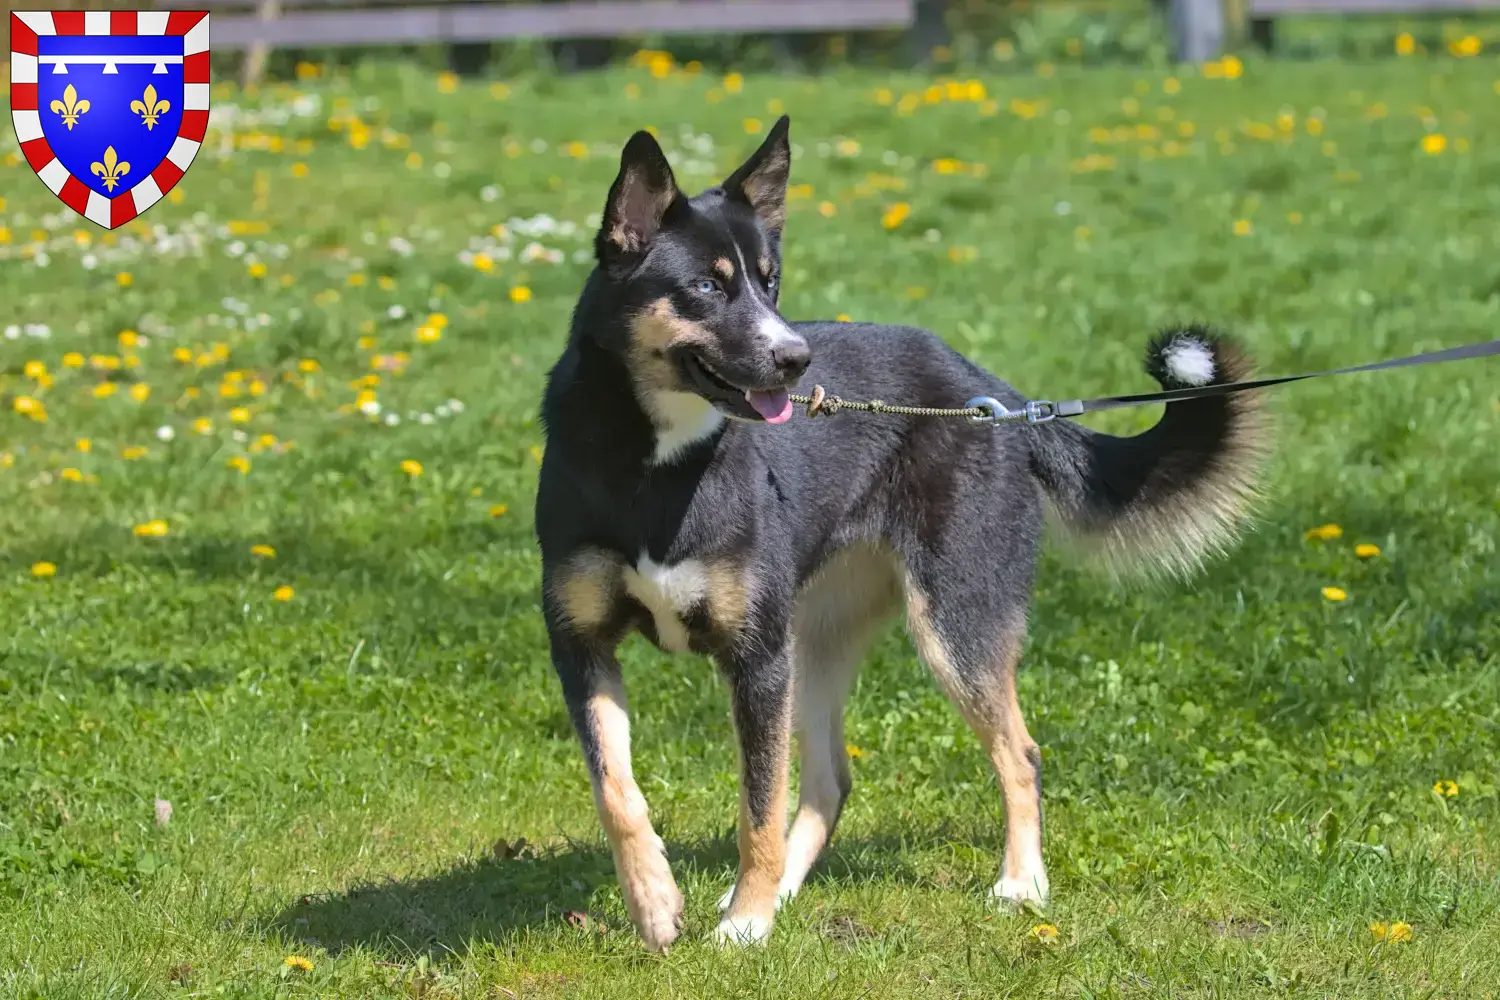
[708, 286]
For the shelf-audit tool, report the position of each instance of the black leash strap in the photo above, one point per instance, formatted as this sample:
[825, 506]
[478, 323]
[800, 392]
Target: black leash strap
[1042, 410]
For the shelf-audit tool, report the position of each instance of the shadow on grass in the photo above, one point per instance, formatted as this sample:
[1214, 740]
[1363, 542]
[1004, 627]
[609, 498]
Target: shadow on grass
[488, 900]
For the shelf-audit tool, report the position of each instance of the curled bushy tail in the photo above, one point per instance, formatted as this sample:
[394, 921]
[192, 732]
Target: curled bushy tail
[1178, 492]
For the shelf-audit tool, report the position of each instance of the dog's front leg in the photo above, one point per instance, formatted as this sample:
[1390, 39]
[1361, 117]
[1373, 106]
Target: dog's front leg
[595, 694]
[761, 693]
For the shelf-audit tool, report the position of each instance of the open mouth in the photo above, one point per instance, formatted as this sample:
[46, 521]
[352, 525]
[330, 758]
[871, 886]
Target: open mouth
[772, 405]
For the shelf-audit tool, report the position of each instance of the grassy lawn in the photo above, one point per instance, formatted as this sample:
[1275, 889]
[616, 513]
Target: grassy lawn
[268, 558]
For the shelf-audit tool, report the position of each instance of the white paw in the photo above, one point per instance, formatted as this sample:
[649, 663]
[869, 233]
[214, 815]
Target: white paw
[654, 901]
[1026, 889]
[726, 899]
[742, 931]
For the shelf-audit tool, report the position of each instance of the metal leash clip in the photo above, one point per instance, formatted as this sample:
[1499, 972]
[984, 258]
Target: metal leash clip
[1038, 411]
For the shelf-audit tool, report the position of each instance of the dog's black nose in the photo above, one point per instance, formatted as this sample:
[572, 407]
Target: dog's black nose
[791, 356]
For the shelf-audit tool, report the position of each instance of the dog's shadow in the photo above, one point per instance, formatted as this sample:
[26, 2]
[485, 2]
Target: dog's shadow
[489, 900]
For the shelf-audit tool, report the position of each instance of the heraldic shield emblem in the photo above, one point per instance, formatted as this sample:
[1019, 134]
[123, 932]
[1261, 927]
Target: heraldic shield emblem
[110, 106]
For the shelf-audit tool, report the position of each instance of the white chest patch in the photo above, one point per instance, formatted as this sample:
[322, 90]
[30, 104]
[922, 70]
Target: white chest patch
[668, 592]
[681, 418]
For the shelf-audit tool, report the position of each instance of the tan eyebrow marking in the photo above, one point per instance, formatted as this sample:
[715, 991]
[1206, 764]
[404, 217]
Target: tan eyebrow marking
[724, 267]
[765, 267]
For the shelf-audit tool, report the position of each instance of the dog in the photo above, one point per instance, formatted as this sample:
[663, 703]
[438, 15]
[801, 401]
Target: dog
[679, 497]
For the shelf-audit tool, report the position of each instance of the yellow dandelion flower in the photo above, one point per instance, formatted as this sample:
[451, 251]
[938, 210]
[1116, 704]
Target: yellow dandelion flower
[1242, 227]
[520, 293]
[355, 280]
[84, 445]
[895, 215]
[140, 392]
[104, 390]
[498, 510]
[411, 467]
[1391, 933]
[1325, 532]
[1045, 933]
[124, 280]
[299, 170]
[1335, 594]
[73, 360]
[151, 529]
[263, 551]
[203, 425]
[308, 365]
[34, 369]
[239, 415]
[843, 318]
[853, 751]
[285, 593]
[1434, 144]
[1405, 44]
[1367, 550]
[429, 334]
[1447, 789]
[133, 453]
[257, 269]
[734, 83]
[294, 961]
[827, 209]
[72, 475]
[29, 407]
[239, 463]
[484, 263]
[43, 569]
[447, 83]
[1466, 47]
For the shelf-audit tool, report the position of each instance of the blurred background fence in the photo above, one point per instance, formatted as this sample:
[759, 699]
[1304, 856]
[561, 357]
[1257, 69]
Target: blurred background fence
[253, 38]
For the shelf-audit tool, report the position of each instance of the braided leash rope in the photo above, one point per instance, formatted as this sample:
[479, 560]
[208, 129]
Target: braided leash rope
[988, 410]
[820, 403]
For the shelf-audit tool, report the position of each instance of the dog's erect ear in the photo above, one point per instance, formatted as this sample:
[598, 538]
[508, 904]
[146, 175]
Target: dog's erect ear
[761, 180]
[638, 200]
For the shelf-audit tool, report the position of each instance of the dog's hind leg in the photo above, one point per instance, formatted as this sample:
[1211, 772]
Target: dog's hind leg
[836, 618]
[971, 637]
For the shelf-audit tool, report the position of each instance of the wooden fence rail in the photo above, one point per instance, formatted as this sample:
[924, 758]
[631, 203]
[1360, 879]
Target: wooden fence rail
[360, 22]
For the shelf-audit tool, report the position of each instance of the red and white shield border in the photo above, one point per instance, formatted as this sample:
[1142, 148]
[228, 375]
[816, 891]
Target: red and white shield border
[111, 213]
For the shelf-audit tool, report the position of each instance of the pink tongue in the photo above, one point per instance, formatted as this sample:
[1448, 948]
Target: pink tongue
[773, 405]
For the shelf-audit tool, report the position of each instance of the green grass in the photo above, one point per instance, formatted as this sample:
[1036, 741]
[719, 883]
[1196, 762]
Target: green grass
[1239, 772]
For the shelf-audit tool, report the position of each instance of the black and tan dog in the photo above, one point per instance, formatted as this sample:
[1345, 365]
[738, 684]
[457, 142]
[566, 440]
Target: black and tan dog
[678, 498]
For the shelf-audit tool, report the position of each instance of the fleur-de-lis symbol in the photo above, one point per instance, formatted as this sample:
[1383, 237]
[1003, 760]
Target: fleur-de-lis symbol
[111, 170]
[70, 107]
[150, 109]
